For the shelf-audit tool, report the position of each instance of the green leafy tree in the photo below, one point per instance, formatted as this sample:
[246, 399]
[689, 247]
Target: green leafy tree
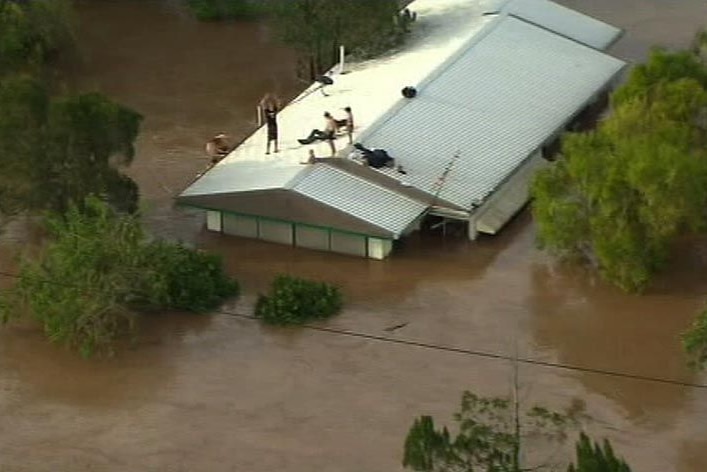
[662, 66]
[57, 151]
[591, 457]
[80, 288]
[293, 300]
[175, 277]
[31, 32]
[694, 342]
[99, 269]
[699, 45]
[624, 192]
[318, 27]
[490, 437]
[210, 10]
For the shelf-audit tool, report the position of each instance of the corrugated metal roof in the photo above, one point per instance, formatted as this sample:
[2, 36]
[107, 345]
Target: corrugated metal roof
[495, 104]
[491, 88]
[371, 88]
[235, 176]
[360, 198]
[565, 21]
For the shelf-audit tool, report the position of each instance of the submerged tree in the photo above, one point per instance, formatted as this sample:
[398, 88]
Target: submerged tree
[209, 10]
[493, 435]
[490, 438]
[591, 457]
[31, 31]
[624, 192]
[694, 342]
[57, 151]
[318, 27]
[699, 45]
[99, 269]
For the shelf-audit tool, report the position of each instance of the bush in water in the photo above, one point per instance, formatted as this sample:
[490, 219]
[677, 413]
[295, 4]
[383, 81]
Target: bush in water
[295, 301]
[99, 269]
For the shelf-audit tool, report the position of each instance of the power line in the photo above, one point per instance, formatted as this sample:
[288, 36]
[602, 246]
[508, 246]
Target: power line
[482, 354]
[462, 351]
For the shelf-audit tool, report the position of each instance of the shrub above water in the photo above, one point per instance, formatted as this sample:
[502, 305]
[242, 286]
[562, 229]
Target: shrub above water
[180, 278]
[212, 10]
[99, 269]
[295, 301]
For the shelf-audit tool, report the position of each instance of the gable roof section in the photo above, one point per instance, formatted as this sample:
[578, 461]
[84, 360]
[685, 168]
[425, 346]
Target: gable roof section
[566, 22]
[236, 176]
[360, 198]
[514, 86]
[492, 88]
[322, 195]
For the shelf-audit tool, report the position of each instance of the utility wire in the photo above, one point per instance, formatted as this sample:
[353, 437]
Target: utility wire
[462, 351]
[482, 354]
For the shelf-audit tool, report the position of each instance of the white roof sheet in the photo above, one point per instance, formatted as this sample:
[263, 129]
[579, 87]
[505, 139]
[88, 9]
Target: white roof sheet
[360, 198]
[232, 176]
[564, 21]
[494, 105]
[492, 87]
[371, 88]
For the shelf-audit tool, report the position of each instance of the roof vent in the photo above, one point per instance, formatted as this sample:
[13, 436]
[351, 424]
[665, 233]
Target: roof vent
[409, 92]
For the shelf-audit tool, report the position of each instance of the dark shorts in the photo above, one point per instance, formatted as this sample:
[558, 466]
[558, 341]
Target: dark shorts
[272, 133]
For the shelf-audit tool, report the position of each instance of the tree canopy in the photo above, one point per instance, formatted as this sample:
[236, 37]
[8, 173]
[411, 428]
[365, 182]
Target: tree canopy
[492, 435]
[489, 438]
[31, 31]
[99, 269]
[623, 193]
[591, 457]
[209, 10]
[694, 341]
[54, 151]
[319, 27]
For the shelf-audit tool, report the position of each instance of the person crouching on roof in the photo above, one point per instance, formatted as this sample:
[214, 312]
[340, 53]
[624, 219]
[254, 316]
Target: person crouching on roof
[218, 147]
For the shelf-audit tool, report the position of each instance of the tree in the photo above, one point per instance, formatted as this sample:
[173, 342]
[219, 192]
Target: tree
[489, 440]
[662, 67]
[31, 32]
[99, 269]
[80, 288]
[699, 45]
[694, 342]
[210, 10]
[318, 27]
[293, 300]
[57, 151]
[596, 458]
[492, 436]
[623, 193]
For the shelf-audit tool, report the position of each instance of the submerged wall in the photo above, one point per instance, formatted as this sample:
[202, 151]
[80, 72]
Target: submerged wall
[299, 235]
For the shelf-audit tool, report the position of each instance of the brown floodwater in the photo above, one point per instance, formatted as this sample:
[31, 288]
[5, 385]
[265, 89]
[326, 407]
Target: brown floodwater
[223, 393]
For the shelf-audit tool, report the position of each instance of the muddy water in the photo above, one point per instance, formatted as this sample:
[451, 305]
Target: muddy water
[223, 393]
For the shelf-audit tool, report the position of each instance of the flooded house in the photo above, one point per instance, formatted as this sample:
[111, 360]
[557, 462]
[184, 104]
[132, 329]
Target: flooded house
[469, 108]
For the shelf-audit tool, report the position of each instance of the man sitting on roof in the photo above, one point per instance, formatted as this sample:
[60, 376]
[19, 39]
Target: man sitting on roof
[327, 135]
